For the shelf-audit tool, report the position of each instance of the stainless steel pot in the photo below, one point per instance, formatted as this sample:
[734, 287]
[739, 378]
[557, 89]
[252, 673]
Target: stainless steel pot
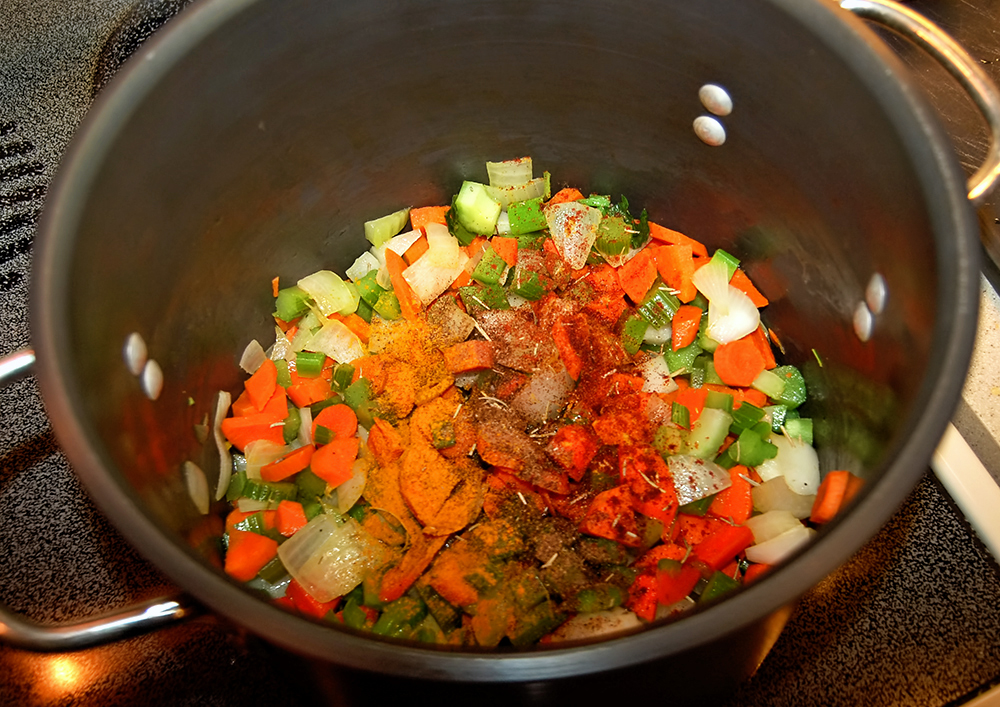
[252, 139]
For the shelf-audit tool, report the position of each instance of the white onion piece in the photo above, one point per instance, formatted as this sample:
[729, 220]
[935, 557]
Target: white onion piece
[350, 491]
[595, 624]
[261, 452]
[330, 293]
[503, 224]
[656, 376]
[771, 525]
[509, 173]
[521, 192]
[305, 426]
[544, 395]
[434, 271]
[774, 495]
[574, 229]
[780, 548]
[253, 356]
[225, 457]
[796, 461]
[365, 263]
[657, 337]
[337, 341]
[657, 411]
[616, 261]
[281, 347]
[197, 486]
[731, 314]
[696, 478]
[401, 243]
[252, 505]
[329, 557]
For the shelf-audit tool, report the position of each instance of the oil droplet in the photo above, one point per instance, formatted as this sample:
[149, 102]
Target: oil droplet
[709, 130]
[716, 99]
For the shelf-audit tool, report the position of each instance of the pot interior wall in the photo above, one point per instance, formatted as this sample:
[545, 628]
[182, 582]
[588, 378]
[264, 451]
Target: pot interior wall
[261, 152]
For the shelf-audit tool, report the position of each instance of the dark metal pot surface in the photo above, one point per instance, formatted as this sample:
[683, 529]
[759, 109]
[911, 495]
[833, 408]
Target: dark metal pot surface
[252, 139]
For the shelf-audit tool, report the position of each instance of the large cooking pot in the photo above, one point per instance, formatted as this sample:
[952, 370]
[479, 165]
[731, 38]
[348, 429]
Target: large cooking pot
[252, 138]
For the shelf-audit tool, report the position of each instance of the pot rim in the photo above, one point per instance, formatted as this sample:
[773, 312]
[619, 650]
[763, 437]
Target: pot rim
[888, 81]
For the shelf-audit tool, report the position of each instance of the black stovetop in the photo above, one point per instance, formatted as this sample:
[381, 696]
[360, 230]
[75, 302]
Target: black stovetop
[912, 619]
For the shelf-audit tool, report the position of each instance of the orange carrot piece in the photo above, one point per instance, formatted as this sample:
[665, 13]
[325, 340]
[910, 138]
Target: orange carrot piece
[416, 249]
[684, 326]
[332, 462]
[423, 215]
[830, 496]
[622, 383]
[742, 283]
[739, 362]
[274, 287]
[735, 502]
[260, 386]
[719, 548]
[694, 400]
[306, 603]
[408, 302]
[248, 553]
[385, 442]
[676, 266]
[241, 431]
[474, 355]
[506, 248]
[355, 323]
[243, 406]
[417, 558]
[564, 345]
[666, 235]
[307, 391]
[763, 345]
[294, 462]
[290, 518]
[340, 419]
[638, 275]
[755, 571]
[563, 195]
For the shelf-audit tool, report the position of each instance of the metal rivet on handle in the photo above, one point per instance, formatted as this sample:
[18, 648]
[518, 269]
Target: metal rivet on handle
[134, 352]
[152, 379]
[709, 130]
[716, 99]
[876, 293]
[863, 322]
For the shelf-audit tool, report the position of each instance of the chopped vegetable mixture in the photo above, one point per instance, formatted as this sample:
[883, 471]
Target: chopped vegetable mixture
[528, 417]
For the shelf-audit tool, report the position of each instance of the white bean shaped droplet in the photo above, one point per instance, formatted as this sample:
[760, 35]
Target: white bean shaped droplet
[134, 352]
[716, 99]
[709, 130]
[876, 293]
[863, 322]
[152, 379]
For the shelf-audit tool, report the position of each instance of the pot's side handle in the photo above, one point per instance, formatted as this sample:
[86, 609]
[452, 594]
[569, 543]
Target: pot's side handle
[958, 63]
[146, 616]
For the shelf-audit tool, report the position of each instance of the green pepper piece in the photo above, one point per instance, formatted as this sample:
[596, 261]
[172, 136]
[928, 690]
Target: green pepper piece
[683, 357]
[680, 415]
[491, 268]
[745, 416]
[526, 216]
[801, 429]
[368, 287]
[291, 303]
[387, 306]
[479, 297]
[236, 483]
[750, 449]
[633, 333]
[718, 585]
[697, 508]
[527, 284]
[400, 616]
[794, 392]
[612, 236]
[309, 364]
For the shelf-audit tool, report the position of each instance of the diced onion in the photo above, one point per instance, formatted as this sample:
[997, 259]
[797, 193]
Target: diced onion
[695, 478]
[197, 486]
[253, 356]
[521, 192]
[774, 495]
[337, 341]
[401, 243]
[509, 173]
[350, 491]
[329, 557]
[543, 396]
[574, 229]
[780, 548]
[225, 458]
[596, 623]
[434, 271]
[252, 505]
[796, 461]
[305, 426]
[731, 314]
[261, 452]
[657, 337]
[365, 263]
[503, 224]
[771, 524]
[281, 347]
[330, 293]
[656, 376]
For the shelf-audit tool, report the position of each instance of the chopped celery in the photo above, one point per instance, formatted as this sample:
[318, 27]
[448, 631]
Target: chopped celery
[683, 357]
[769, 384]
[526, 217]
[343, 376]
[527, 284]
[477, 211]
[399, 617]
[387, 306]
[284, 377]
[719, 400]
[257, 490]
[793, 391]
[354, 616]
[680, 415]
[310, 485]
[291, 303]
[633, 333]
[659, 306]
[730, 261]
[491, 268]
[382, 229]
[290, 430]
[800, 428]
[531, 241]
[309, 364]
[598, 201]
[750, 449]
[478, 297]
[357, 396]
[745, 416]
[612, 236]
[368, 287]
[718, 585]
[697, 508]
[708, 433]
[236, 483]
[705, 341]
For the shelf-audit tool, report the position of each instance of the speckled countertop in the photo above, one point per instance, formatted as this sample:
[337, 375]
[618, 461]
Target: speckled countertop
[912, 619]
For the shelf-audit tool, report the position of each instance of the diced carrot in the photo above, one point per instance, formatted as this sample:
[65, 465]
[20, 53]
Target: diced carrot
[755, 571]
[506, 248]
[691, 530]
[564, 195]
[719, 548]
[676, 266]
[274, 287]
[666, 235]
[694, 400]
[742, 283]
[306, 391]
[760, 340]
[292, 463]
[830, 496]
[854, 484]
[260, 386]
[243, 405]
[423, 215]
[642, 596]
[248, 553]
[739, 362]
[753, 396]
[572, 448]
[564, 345]
[684, 326]
[604, 279]
[385, 442]
[355, 323]
[463, 279]
[622, 383]
[735, 502]
[333, 462]
[638, 275]
[416, 249]
[398, 579]
[306, 603]
[472, 355]
[241, 431]
[290, 518]
[340, 419]
[409, 304]
[672, 585]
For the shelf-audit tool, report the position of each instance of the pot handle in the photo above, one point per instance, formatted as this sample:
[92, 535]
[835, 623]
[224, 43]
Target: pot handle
[145, 616]
[958, 63]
